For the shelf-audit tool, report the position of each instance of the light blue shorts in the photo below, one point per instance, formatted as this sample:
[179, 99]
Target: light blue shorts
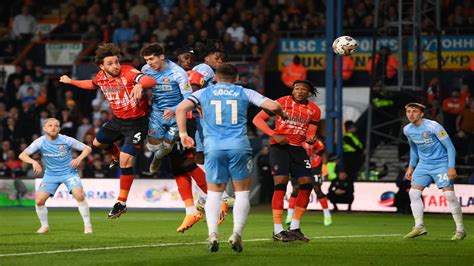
[425, 174]
[159, 128]
[51, 183]
[221, 165]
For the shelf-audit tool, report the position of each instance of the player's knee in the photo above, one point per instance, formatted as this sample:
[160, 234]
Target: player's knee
[40, 202]
[450, 197]
[129, 149]
[281, 187]
[79, 197]
[414, 194]
[306, 186]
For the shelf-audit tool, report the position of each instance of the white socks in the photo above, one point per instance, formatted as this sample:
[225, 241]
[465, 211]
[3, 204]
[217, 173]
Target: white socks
[295, 224]
[277, 228]
[417, 207]
[191, 210]
[289, 213]
[42, 213]
[84, 211]
[326, 212]
[213, 209]
[453, 203]
[241, 210]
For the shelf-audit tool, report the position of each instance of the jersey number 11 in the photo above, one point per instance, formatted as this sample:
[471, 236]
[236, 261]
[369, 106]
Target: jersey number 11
[233, 112]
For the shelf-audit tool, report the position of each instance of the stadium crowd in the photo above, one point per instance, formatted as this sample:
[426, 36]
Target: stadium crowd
[245, 28]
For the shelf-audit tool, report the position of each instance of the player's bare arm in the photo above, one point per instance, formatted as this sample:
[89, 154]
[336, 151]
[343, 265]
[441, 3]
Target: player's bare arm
[25, 157]
[83, 84]
[85, 152]
[259, 122]
[409, 173]
[144, 82]
[183, 108]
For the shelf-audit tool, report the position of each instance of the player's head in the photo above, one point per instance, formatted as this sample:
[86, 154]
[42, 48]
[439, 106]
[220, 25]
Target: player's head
[302, 89]
[212, 53]
[187, 57]
[107, 58]
[415, 112]
[227, 73]
[154, 55]
[350, 126]
[51, 127]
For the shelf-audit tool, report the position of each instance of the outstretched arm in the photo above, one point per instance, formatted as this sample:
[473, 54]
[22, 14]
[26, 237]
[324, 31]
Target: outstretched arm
[83, 84]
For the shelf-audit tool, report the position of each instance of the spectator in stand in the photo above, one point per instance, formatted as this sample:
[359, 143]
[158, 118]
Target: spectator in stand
[83, 128]
[124, 33]
[162, 32]
[464, 138]
[465, 93]
[140, 10]
[23, 89]
[236, 31]
[452, 106]
[24, 25]
[386, 66]
[292, 72]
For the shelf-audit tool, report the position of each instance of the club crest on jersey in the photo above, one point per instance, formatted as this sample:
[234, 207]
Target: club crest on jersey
[42, 185]
[151, 131]
[61, 147]
[167, 80]
[425, 134]
[136, 71]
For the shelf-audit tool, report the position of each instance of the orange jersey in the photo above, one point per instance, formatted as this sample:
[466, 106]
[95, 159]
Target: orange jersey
[117, 92]
[313, 152]
[195, 78]
[300, 116]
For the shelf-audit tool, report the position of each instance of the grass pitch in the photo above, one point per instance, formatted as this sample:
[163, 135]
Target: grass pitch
[150, 238]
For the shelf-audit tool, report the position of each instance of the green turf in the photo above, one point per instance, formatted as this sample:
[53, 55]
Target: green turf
[136, 228]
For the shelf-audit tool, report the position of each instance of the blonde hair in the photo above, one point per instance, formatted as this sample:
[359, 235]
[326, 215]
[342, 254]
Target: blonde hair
[52, 119]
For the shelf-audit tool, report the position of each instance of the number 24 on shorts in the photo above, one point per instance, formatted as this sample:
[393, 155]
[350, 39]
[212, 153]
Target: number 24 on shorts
[442, 177]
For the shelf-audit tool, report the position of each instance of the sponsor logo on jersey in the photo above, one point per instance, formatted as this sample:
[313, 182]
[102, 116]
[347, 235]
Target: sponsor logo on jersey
[442, 134]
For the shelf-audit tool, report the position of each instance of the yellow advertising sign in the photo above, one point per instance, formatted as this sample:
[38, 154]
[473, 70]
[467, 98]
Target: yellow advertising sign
[318, 61]
[452, 60]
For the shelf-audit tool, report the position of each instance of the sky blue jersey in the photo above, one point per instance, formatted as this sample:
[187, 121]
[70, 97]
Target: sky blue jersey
[207, 73]
[57, 153]
[172, 86]
[224, 107]
[429, 144]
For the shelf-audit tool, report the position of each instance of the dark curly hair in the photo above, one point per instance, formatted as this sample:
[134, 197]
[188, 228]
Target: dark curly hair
[105, 50]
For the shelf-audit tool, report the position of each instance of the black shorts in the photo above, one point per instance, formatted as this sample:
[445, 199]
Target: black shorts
[181, 159]
[318, 177]
[289, 160]
[132, 130]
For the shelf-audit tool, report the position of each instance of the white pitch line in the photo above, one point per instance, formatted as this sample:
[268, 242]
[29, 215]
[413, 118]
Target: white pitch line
[169, 245]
